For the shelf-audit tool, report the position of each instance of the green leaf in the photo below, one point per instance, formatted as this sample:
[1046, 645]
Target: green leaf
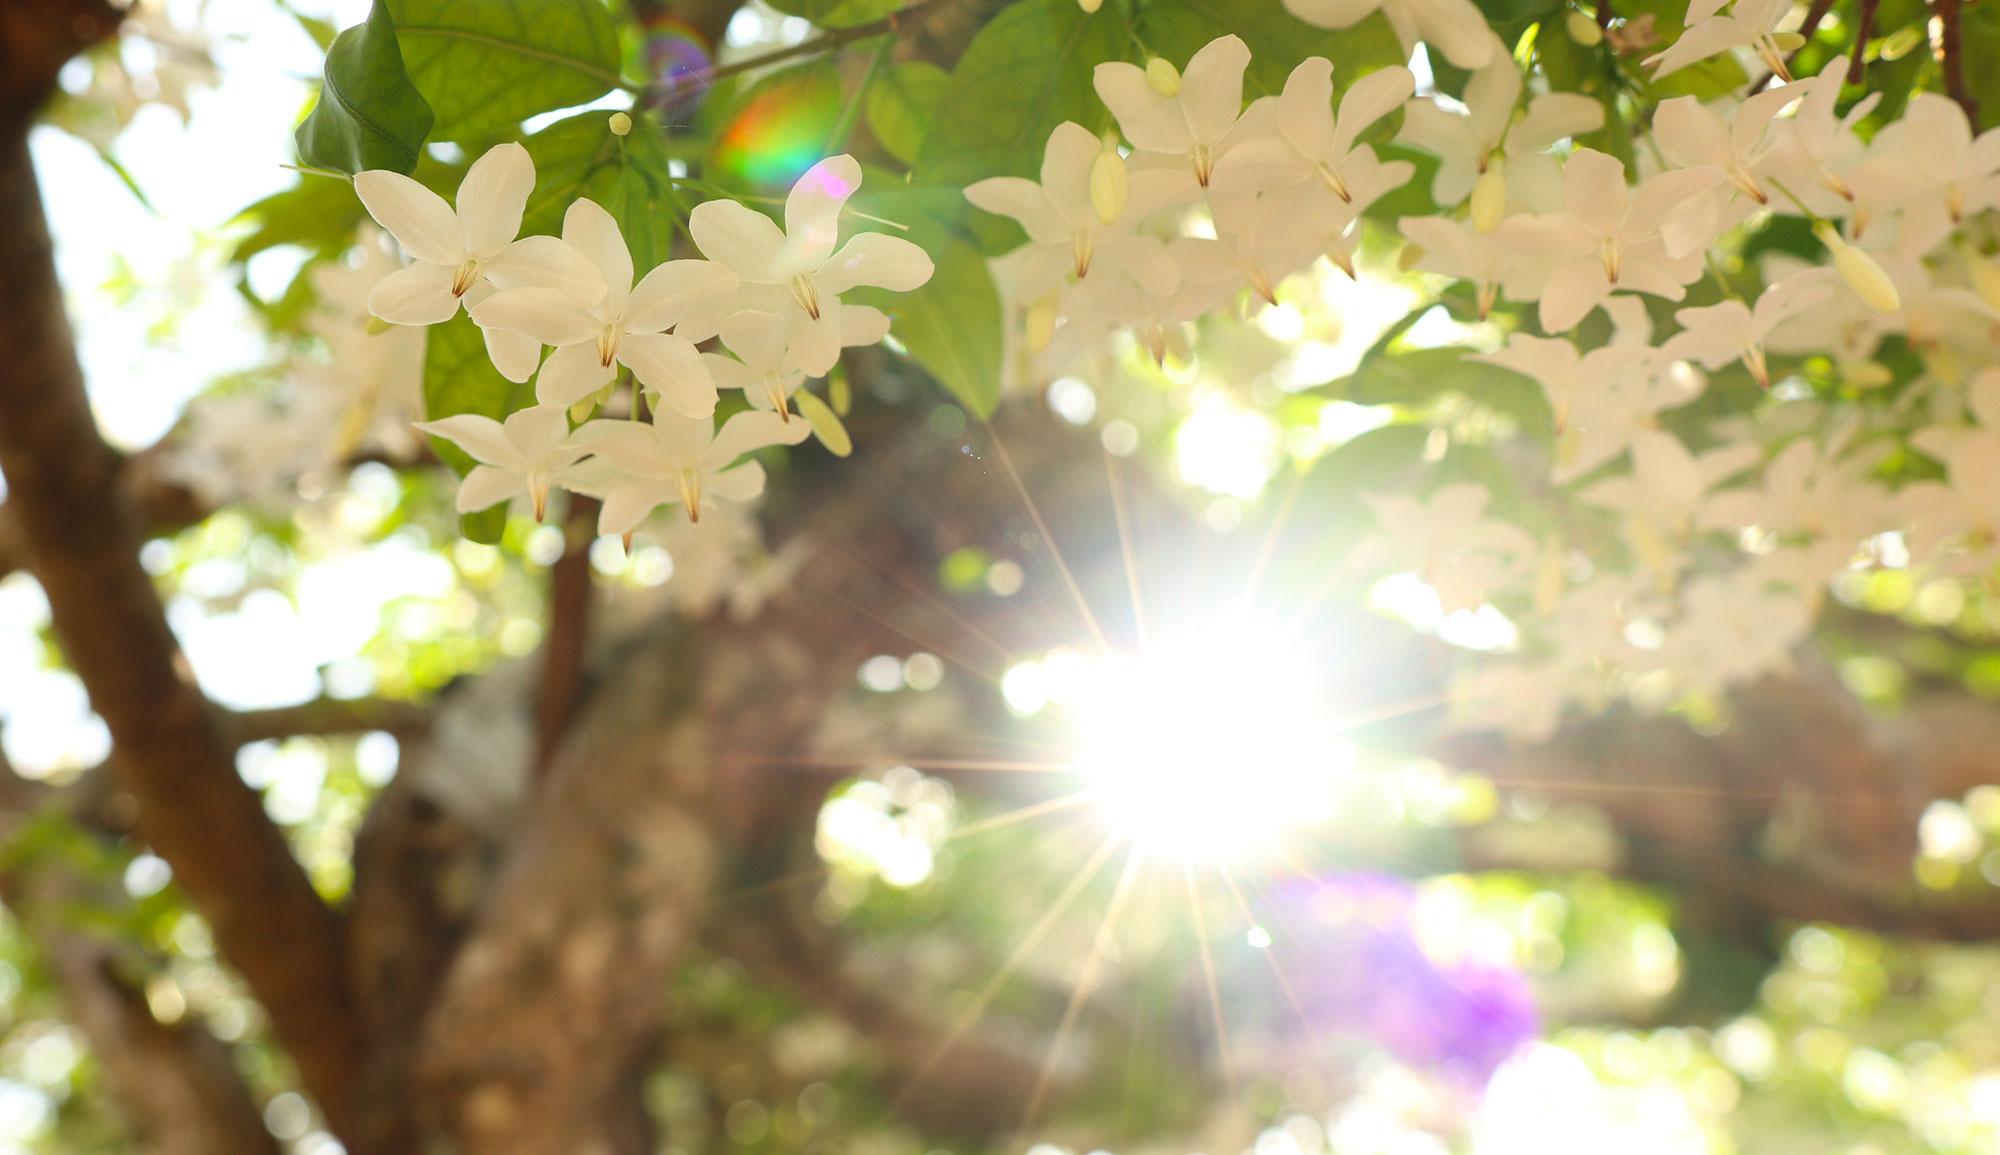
[902, 104]
[837, 13]
[1027, 71]
[485, 66]
[1278, 41]
[628, 176]
[318, 213]
[369, 114]
[460, 378]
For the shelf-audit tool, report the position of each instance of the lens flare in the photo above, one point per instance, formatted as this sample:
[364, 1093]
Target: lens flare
[781, 130]
[1210, 746]
[678, 58]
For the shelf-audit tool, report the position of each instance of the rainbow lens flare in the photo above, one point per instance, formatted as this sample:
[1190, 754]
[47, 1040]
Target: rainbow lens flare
[678, 59]
[781, 129]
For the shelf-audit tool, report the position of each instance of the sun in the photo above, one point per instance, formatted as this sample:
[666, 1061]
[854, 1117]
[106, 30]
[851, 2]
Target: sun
[1210, 745]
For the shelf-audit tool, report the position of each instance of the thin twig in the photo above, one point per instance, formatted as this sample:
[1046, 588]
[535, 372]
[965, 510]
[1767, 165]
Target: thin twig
[1865, 28]
[1952, 47]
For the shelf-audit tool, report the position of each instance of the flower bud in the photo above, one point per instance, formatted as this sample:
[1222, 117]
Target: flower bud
[620, 124]
[1861, 272]
[1583, 29]
[1090, 7]
[1788, 41]
[1984, 273]
[1109, 185]
[1041, 323]
[1162, 77]
[1489, 198]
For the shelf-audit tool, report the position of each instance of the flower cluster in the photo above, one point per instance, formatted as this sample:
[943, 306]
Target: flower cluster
[1199, 199]
[772, 296]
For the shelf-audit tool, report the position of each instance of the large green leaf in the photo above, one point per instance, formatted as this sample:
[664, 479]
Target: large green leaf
[952, 326]
[903, 103]
[1278, 40]
[460, 378]
[837, 13]
[369, 115]
[487, 65]
[579, 156]
[1027, 71]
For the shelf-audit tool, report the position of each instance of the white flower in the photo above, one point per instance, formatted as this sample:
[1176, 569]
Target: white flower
[1465, 142]
[1610, 237]
[1691, 134]
[1311, 142]
[1668, 484]
[1067, 236]
[1602, 400]
[1731, 630]
[526, 454]
[1282, 230]
[1455, 28]
[454, 250]
[1751, 23]
[1805, 491]
[797, 271]
[1178, 140]
[763, 368]
[1931, 153]
[1714, 335]
[678, 459]
[1448, 542]
[1814, 149]
[627, 327]
[1454, 248]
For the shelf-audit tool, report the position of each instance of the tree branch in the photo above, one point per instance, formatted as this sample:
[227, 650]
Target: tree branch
[326, 716]
[568, 637]
[172, 757]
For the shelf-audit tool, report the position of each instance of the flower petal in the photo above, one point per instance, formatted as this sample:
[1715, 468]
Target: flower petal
[571, 373]
[814, 344]
[627, 504]
[1066, 165]
[549, 262]
[862, 325]
[745, 240]
[516, 355]
[875, 259]
[547, 315]
[592, 232]
[482, 437]
[418, 295]
[749, 431]
[670, 367]
[1024, 201]
[486, 487]
[1212, 87]
[1368, 100]
[1332, 13]
[417, 217]
[812, 210]
[492, 198]
[1594, 191]
[742, 483]
[671, 291]
[1151, 122]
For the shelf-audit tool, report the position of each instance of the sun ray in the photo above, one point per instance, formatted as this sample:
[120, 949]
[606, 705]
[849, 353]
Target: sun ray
[918, 590]
[1267, 552]
[1086, 983]
[900, 631]
[1042, 527]
[1015, 959]
[1127, 548]
[1277, 968]
[1200, 929]
[1019, 814]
